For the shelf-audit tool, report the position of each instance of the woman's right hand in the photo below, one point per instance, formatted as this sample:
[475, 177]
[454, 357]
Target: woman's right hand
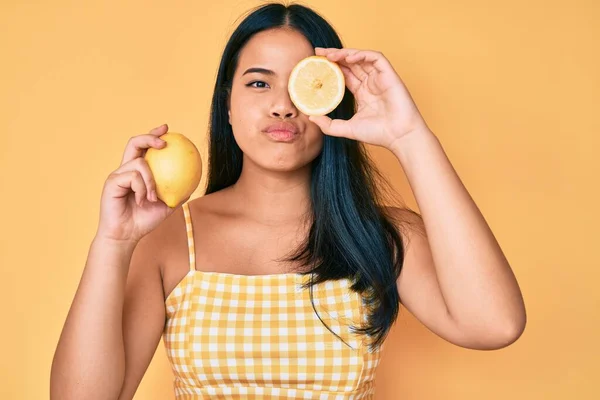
[129, 208]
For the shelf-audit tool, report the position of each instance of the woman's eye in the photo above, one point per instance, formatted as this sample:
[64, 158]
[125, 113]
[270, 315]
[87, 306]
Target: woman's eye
[258, 84]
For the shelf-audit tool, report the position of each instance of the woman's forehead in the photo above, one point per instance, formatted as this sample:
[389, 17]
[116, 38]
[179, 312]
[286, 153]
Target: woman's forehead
[276, 49]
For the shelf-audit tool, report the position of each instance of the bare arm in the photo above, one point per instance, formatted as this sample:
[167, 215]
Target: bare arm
[90, 359]
[455, 278]
[143, 314]
[117, 315]
[113, 327]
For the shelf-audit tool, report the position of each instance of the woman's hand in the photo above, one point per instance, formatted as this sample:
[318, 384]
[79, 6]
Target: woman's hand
[386, 112]
[129, 207]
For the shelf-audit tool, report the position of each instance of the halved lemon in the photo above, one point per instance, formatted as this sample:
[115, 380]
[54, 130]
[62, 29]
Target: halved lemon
[316, 85]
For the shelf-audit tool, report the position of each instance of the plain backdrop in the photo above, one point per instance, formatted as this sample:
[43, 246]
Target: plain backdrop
[511, 89]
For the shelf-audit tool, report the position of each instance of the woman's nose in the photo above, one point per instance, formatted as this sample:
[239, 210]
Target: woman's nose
[283, 107]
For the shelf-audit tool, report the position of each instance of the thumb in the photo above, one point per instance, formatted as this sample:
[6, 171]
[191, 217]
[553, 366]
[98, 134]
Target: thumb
[335, 127]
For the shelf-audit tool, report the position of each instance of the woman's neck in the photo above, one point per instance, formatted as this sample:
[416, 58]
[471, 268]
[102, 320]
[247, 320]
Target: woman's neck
[273, 197]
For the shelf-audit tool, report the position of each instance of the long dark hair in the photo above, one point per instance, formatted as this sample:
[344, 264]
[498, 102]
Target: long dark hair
[351, 236]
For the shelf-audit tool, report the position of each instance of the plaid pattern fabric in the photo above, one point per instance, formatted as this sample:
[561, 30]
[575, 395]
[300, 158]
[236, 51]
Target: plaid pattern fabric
[257, 336]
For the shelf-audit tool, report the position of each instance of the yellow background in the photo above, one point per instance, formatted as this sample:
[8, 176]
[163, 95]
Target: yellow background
[511, 89]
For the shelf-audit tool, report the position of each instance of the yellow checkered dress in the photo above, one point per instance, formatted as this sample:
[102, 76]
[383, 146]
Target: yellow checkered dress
[257, 336]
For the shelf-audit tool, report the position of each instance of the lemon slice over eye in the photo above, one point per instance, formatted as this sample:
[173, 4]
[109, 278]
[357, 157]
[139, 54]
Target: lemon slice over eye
[316, 85]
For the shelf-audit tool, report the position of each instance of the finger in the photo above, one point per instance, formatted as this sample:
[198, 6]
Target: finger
[339, 54]
[140, 165]
[137, 145]
[362, 60]
[358, 71]
[352, 82]
[335, 127]
[340, 57]
[122, 184]
[335, 55]
[159, 130]
[322, 51]
[373, 59]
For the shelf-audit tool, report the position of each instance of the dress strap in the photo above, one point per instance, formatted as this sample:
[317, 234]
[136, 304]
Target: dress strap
[190, 235]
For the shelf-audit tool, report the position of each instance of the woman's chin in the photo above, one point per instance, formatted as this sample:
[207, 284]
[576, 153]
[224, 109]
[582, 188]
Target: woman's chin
[285, 165]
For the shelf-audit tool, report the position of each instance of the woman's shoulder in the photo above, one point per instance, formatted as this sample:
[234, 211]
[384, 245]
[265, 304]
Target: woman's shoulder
[167, 245]
[172, 232]
[201, 208]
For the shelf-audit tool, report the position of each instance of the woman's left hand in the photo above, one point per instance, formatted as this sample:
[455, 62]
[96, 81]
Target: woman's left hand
[385, 110]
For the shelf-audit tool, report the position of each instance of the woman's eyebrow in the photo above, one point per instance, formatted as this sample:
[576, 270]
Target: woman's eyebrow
[260, 71]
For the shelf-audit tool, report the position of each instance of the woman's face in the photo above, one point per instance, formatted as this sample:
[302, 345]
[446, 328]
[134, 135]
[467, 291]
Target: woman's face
[269, 129]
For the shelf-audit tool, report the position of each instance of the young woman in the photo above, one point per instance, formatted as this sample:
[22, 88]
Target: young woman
[286, 276]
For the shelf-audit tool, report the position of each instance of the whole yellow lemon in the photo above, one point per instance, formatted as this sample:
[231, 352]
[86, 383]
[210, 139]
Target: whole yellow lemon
[177, 168]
